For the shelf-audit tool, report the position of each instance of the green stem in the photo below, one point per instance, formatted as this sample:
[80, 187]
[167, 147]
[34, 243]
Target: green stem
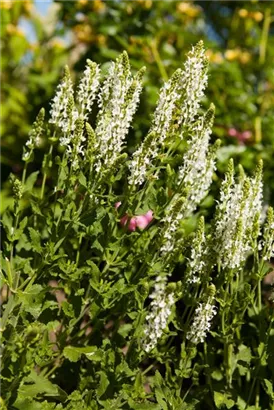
[45, 176]
[158, 60]
[264, 37]
[258, 365]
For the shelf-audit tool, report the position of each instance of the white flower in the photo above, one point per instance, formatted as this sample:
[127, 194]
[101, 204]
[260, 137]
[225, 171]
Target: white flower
[34, 135]
[157, 318]
[118, 101]
[178, 105]
[198, 161]
[196, 262]
[267, 244]
[87, 88]
[236, 215]
[171, 223]
[203, 316]
[63, 112]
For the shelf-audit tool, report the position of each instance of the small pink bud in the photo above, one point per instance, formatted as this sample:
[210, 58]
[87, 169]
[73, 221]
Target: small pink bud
[141, 221]
[123, 220]
[232, 132]
[116, 206]
[132, 224]
[245, 136]
[149, 216]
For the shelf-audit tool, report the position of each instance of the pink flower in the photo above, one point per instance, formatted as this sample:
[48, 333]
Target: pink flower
[232, 132]
[117, 204]
[131, 225]
[139, 221]
[242, 137]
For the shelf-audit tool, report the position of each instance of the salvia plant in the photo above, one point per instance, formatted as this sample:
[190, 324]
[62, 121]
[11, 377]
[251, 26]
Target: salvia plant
[118, 291]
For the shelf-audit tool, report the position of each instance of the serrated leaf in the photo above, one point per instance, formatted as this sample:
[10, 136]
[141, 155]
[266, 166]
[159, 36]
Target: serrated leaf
[74, 353]
[95, 271]
[21, 228]
[217, 375]
[125, 329]
[31, 181]
[35, 208]
[35, 384]
[145, 406]
[244, 354]
[82, 179]
[32, 300]
[35, 240]
[268, 386]
[67, 308]
[222, 400]
[103, 384]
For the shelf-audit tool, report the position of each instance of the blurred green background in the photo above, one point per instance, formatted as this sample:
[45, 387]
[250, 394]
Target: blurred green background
[39, 38]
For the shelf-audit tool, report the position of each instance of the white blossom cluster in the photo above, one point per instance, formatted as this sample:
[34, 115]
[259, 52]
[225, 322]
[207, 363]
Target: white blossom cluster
[196, 262]
[198, 161]
[178, 104]
[194, 83]
[157, 318]
[203, 316]
[64, 113]
[87, 88]
[171, 222]
[118, 101]
[268, 238]
[34, 135]
[237, 212]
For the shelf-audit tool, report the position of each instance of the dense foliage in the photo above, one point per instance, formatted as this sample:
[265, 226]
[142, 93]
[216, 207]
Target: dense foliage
[118, 295]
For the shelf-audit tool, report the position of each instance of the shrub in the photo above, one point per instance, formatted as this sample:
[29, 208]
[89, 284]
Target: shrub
[117, 293]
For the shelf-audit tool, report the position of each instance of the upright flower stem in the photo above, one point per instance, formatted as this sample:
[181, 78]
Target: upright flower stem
[264, 36]
[45, 176]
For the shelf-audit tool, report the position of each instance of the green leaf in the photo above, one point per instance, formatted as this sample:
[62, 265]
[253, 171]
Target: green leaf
[145, 406]
[30, 181]
[268, 386]
[222, 400]
[67, 308]
[35, 240]
[82, 179]
[244, 354]
[34, 385]
[95, 271]
[74, 353]
[32, 300]
[103, 384]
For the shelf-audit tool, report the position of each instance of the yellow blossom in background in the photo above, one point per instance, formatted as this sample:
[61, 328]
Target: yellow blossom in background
[147, 4]
[82, 2]
[237, 54]
[189, 9]
[98, 5]
[84, 33]
[216, 58]
[6, 4]
[232, 54]
[27, 6]
[257, 16]
[243, 13]
[245, 57]
[101, 39]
